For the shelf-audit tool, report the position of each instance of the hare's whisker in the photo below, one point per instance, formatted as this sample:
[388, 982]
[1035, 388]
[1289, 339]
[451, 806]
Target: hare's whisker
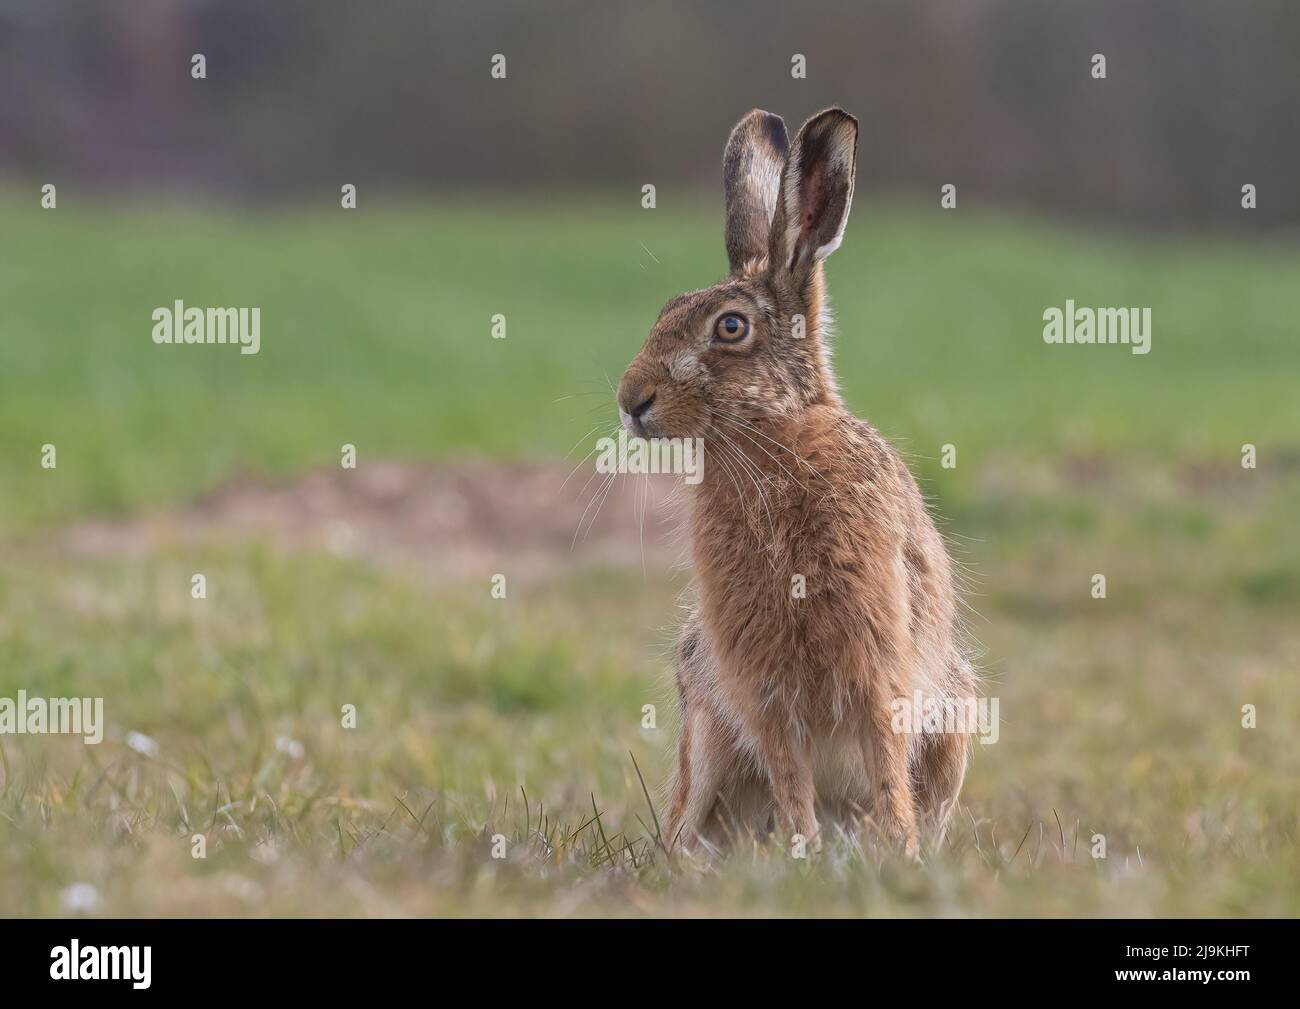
[608, 488]
[784, 469]
[746, 466]
[609, 478]
[594, 429]
[575, 469]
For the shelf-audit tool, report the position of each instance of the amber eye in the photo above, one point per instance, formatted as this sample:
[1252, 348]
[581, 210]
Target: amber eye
[731, 327]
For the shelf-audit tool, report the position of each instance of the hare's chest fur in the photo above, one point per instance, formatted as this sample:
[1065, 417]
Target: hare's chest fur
[807, 574]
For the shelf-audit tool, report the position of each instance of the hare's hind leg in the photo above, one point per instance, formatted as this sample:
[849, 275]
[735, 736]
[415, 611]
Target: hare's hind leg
[679, 785]
[941, 762]
[886, 754]
[941, 770]
[706, 765]
[704, 758]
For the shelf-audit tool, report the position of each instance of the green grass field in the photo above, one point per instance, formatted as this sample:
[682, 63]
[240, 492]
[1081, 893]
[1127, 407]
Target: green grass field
[376, 331]
[522, 717]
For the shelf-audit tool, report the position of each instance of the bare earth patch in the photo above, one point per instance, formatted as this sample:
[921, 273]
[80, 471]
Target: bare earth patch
[449, 519]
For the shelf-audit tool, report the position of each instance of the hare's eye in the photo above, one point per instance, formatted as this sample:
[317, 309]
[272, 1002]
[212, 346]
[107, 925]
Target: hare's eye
[731, 327]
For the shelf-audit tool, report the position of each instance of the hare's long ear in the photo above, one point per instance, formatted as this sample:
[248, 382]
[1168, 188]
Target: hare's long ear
[816, 192]
[751, 179]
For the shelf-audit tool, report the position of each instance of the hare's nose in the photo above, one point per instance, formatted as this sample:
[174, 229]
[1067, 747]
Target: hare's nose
[640, 409]
[635, 401]
[633, 405]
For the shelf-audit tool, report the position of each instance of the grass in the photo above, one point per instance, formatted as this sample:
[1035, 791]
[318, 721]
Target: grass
[522, 717]
[377, 332]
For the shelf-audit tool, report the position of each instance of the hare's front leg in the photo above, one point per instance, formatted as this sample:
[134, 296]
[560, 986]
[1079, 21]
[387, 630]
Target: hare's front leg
[788, 761]
[771, 732]
[885, 752]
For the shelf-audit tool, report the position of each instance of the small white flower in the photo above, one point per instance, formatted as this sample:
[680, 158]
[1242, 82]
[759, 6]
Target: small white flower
[142, 744]
[292, 747]
[79, 898]
[340, 538]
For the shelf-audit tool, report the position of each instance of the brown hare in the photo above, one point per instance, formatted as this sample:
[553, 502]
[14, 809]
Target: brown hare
[823, 592]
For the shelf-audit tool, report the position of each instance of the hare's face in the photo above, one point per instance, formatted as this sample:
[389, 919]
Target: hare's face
[714, 358]
[751, 347]
[719, 358]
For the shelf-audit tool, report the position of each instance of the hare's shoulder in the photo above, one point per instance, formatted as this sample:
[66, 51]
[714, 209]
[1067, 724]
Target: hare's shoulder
[887, 488]
[852, 458]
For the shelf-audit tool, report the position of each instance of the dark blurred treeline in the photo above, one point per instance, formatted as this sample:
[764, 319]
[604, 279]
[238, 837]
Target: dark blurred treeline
[996, 96]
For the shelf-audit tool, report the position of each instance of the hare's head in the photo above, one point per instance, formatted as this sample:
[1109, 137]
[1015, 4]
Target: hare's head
[753, 346]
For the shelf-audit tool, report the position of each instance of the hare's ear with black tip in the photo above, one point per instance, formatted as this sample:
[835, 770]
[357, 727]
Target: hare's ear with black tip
[816, 192]
[751, 179]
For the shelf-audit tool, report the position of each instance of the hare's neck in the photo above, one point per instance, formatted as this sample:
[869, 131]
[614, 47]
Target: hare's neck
[750, 472]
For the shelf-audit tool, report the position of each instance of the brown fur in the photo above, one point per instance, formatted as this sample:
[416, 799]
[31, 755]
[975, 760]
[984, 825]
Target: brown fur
[787, 701]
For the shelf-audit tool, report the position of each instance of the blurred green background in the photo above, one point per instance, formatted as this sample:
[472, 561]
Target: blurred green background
[377, 331]
[522, 198]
